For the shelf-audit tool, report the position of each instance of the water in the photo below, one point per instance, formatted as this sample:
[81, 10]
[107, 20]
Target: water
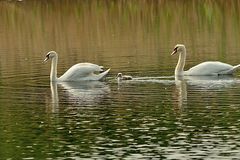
[153, 116]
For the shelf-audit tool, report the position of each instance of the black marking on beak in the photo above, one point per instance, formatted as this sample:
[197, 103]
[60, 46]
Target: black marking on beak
[174, 50]
[47, 57]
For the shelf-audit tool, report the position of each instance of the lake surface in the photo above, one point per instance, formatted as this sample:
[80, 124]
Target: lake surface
[154, 116]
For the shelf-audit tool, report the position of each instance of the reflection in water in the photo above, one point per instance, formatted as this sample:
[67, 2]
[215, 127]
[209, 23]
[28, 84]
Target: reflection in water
[201, 83]
[183, 83]
[55, 100]
[161, 79]
[87, 93]
[135, 37]
[212, 82]
[181, 88]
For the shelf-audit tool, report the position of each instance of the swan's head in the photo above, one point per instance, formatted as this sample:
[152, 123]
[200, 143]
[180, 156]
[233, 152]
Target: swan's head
[50, 55]
[119, 75]
[178, 48]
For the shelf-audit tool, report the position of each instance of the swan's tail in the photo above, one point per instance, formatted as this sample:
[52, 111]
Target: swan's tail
[230, 71]
[102, 75]
[235, 68]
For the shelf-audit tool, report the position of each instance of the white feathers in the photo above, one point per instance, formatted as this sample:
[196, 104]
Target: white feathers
[208, 68]
[78, 72]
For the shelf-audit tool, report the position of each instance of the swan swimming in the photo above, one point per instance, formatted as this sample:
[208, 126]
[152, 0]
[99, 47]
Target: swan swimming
[78, 72]
[121, 77]
[209, 68]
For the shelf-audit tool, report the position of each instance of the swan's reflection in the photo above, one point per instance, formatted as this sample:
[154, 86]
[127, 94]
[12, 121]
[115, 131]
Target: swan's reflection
[54, 94]
[181, 88]
[88, 93]
[211, 82]
[185, 83]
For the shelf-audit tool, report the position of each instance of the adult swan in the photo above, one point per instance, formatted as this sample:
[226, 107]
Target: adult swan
[78, 72]
[209, 68]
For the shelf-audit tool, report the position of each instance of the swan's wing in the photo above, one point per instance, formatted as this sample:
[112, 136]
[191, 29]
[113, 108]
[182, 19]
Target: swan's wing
[209, 68]
[89, 67]
[80, 71]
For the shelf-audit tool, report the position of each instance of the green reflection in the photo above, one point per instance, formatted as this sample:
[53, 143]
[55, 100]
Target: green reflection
[143, 120]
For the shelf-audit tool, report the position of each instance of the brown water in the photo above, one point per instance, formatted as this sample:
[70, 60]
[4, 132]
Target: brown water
[153, 116]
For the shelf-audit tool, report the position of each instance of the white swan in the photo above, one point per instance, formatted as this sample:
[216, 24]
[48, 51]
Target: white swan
[209, 68]
[78, 72]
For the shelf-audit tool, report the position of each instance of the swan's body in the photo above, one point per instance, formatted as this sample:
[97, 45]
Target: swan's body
[209, 68]
[78, 72]
[121, 77]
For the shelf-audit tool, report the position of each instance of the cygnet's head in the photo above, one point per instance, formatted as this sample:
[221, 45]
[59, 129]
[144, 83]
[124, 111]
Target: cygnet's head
[50, 55]
[178, 48]
[119, 75]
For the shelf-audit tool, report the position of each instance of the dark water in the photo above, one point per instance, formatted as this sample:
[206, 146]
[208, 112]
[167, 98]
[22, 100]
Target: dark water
[153, 116]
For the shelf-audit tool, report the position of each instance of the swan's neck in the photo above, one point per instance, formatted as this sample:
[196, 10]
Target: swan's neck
[53, 74]
[181, 63]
